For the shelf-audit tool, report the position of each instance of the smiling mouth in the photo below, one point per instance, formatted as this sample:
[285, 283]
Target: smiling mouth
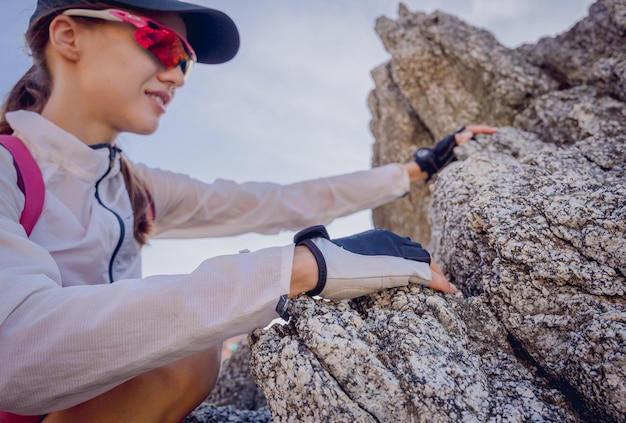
[158, 99]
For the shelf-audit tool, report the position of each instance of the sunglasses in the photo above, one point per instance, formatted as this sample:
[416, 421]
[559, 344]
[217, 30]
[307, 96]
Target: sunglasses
[167, 46]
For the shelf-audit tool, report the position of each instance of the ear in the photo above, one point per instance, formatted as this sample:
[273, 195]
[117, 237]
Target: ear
[63, 35]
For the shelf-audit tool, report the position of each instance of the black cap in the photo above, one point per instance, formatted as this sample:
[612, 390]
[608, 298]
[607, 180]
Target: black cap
[211, 33]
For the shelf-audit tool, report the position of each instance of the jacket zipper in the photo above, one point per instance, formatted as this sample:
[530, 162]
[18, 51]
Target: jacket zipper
[112, 153]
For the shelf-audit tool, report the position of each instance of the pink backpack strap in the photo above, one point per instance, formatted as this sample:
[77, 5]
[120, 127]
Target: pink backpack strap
[29, 180]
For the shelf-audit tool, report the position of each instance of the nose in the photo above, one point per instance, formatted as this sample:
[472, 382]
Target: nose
[173, 76]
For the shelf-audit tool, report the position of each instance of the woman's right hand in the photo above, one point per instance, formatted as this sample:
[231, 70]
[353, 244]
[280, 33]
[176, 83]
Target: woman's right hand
[362, 264]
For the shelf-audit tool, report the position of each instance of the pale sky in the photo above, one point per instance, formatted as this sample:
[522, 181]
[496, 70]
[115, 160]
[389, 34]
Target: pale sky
[292, 105]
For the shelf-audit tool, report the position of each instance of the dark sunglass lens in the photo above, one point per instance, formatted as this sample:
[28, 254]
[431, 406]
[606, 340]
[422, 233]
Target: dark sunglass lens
[184, 66]
[164, 45]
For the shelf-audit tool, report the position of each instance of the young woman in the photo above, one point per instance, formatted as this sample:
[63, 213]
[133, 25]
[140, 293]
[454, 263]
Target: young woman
[74, 345]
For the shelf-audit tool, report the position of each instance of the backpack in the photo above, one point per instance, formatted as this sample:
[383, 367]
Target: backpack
[29, 180]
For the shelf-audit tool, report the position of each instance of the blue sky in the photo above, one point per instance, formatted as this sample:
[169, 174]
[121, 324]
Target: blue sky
[292, 104]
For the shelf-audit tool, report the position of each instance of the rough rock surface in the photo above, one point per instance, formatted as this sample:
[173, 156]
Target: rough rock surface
[530, 223]
[406, 355]
[541, 236]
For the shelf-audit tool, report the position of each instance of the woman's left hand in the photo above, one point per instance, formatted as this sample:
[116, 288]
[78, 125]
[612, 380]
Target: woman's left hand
[469, 131]
[428, 161]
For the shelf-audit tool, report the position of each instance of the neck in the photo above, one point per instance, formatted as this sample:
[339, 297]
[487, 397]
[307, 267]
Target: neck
[75, 120]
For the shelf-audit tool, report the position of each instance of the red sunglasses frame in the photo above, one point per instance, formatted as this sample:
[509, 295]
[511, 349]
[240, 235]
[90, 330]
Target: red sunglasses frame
[167, 46]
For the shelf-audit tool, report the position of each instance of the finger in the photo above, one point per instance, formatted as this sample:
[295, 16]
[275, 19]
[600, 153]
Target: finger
[482, 129]
[440, 283]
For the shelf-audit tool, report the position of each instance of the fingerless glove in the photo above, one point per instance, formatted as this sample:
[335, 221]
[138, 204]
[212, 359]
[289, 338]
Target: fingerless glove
[364, 263]
[432, 160]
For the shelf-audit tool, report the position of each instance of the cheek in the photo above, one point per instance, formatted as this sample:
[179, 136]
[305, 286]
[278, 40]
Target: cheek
[118, 59]
[123, 75]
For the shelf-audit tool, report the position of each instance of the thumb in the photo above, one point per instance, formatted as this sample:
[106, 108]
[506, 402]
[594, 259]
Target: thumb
[440, 283]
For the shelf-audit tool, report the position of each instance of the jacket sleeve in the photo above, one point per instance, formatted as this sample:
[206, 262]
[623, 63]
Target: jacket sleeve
[63, 346]
[187, 208]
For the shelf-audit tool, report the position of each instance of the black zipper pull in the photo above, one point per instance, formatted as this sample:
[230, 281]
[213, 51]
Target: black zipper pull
[113, 150]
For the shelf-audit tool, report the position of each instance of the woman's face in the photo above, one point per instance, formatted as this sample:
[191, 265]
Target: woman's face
[124, 88]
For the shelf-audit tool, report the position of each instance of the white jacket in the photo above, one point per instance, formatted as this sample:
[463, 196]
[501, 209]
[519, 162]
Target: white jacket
[67, 334]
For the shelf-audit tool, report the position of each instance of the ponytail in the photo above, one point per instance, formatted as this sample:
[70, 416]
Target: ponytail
[32, 92]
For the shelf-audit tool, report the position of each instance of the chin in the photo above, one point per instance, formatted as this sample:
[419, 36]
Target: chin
[147, 131]
[147, 128]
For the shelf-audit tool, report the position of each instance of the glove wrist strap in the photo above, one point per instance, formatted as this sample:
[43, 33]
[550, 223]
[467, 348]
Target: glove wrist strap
[304, 237]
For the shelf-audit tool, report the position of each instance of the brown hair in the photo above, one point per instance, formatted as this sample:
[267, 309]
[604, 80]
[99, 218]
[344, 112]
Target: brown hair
[32, 92]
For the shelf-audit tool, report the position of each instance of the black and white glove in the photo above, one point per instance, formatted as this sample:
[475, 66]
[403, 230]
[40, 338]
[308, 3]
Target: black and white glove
[432, 160]
[364, 263]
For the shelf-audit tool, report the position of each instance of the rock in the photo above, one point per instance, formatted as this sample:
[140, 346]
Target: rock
[592, 53]
[541, 237]
[449, 72]
[565, 117]
[208, 413]
[529, 223]
[398, 356]
[444, 73]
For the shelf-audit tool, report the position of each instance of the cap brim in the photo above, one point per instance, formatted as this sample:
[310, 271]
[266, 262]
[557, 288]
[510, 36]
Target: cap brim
[212, 34]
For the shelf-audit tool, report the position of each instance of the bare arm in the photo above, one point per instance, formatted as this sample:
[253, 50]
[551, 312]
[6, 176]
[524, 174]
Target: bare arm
[304, 272]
